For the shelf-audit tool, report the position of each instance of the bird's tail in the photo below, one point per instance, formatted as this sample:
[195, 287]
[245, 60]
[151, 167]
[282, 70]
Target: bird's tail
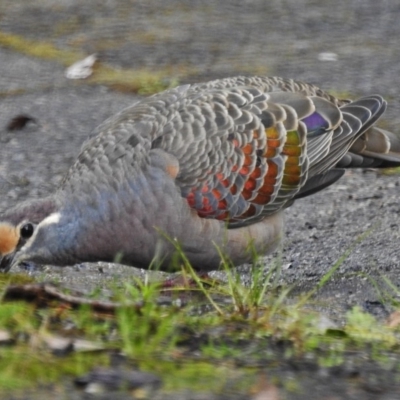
[382, 146]
[371, 147]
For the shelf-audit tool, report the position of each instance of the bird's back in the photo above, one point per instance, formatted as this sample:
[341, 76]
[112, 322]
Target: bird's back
[239, 149]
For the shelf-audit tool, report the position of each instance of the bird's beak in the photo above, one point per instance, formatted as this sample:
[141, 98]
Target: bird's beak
[6, 262]
[13, 259]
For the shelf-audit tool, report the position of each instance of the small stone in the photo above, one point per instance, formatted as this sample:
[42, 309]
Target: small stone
[5, 337]
[327, 56]
[58, 345]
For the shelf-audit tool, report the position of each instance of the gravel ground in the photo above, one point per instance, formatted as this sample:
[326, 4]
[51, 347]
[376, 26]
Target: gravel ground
[197, 40]
[278, 38]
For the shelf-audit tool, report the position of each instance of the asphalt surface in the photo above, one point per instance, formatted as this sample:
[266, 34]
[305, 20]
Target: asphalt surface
[198, 41]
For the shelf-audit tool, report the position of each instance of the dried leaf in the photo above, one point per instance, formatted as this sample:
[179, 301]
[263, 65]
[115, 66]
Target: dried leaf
[19, 122]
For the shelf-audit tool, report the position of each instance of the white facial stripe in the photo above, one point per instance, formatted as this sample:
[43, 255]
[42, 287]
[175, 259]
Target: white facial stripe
[51, 219]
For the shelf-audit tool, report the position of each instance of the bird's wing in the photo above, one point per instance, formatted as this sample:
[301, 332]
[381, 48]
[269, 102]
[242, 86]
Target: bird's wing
[239, 149]
[245, 152]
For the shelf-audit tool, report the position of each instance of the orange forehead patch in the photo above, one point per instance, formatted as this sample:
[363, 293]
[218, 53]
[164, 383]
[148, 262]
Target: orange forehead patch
[9, 237]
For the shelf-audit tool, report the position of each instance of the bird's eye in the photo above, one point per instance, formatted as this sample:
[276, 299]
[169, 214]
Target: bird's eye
[26, 230]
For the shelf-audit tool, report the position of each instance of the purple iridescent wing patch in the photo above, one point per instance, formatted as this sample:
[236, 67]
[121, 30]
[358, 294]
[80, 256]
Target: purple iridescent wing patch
[316, 124]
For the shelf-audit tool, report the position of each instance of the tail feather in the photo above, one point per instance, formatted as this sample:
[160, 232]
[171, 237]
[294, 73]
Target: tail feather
[380, 145]
[356, 143]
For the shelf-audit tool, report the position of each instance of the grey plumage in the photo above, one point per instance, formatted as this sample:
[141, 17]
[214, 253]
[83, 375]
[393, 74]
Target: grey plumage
[207, 165]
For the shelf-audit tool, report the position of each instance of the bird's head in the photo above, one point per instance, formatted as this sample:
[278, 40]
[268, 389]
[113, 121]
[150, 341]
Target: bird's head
[47, 242]
[18, 225]
[12, 238]
[64, 237]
